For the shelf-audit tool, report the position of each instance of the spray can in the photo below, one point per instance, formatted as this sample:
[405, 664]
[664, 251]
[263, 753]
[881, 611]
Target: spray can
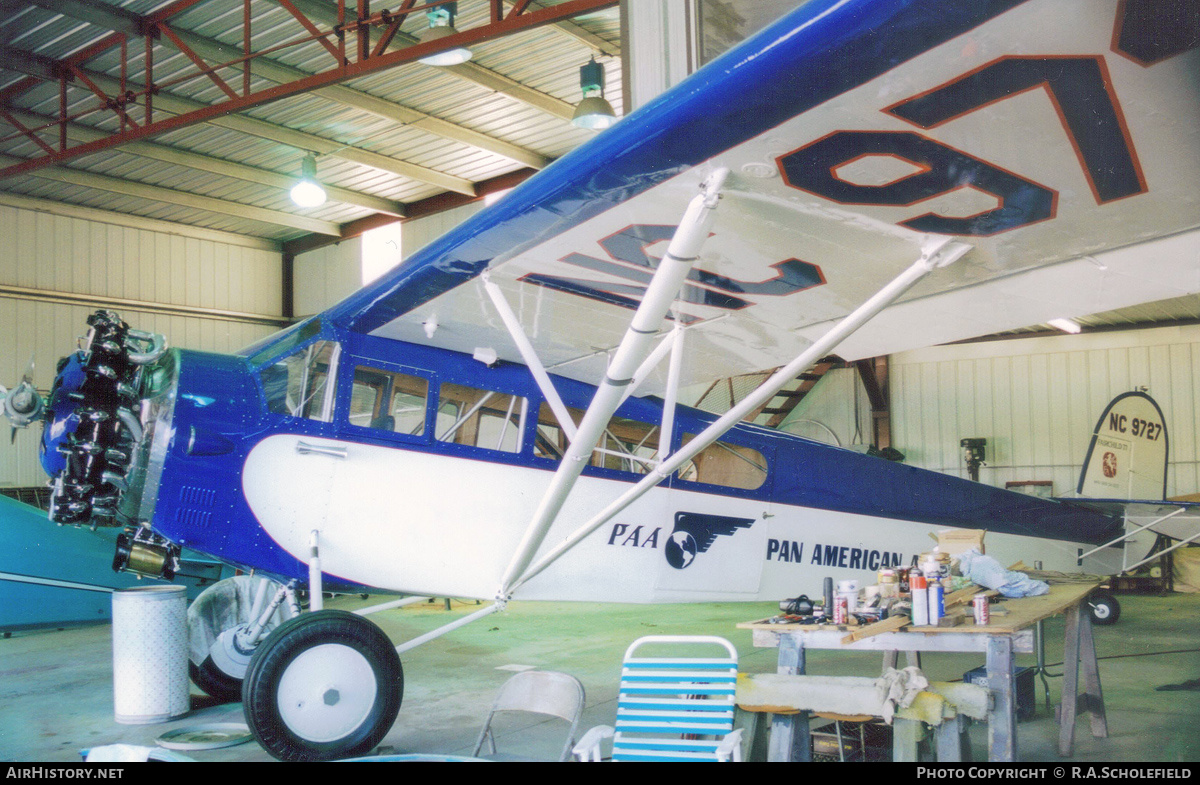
[841, 609]
[937, 600]
[983, 614]
[920, 599]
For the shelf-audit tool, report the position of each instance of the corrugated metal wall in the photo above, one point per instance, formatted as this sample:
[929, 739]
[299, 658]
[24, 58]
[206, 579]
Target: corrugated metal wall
[54, 253]
[327, 275]
[421, 232]
[827, 414]
[1036, 401]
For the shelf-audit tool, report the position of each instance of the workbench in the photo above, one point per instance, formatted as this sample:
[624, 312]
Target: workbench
[1000, 640]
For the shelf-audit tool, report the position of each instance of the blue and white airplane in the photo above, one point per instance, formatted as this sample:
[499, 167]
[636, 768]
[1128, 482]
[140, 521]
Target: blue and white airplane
[498, 418]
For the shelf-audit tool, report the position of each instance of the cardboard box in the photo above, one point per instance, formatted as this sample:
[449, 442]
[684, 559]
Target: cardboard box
[956, 541]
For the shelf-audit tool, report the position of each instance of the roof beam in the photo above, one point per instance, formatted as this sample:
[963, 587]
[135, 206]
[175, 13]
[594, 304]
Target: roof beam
[418, 209]
[471, 72]
[124, 21]
[345, 70]
[590, 40]
[195, 201]
[43, 68]
[205, 163]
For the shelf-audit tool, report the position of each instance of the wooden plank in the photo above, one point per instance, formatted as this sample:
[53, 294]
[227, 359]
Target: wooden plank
[889, 624]
[1002, 719]
[1070, 686]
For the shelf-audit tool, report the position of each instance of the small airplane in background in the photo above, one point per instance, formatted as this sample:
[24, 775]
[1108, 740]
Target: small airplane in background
[499, 417]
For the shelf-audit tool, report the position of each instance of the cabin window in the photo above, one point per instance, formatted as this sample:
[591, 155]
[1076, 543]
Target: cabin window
[481, 418]
[299, 386]
[551, 441]
[728, 465]
[626, 445]
[388, 401]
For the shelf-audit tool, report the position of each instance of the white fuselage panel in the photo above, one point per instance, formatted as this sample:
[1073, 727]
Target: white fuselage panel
[422, 523]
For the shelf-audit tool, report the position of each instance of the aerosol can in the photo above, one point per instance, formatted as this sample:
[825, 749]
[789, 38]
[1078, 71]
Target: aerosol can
[920, 598]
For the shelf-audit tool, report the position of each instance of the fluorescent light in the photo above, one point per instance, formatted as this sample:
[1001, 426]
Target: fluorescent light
[1066, 325]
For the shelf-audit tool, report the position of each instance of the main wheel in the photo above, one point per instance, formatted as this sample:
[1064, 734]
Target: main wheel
[1104, 607]
[217, 657]
[324, 685]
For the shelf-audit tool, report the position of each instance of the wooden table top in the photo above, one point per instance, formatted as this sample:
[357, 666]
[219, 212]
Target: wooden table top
[1022, 613]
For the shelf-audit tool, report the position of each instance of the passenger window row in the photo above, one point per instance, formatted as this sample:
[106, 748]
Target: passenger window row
[398, 402]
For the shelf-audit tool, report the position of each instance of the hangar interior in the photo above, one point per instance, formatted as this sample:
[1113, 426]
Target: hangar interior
[189, 231]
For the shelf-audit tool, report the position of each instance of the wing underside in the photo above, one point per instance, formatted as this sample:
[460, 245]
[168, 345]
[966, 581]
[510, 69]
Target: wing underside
[1059, 145]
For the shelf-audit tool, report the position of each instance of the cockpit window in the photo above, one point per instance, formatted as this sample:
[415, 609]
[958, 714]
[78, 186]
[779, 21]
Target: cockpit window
[281, 342]
[299, 385]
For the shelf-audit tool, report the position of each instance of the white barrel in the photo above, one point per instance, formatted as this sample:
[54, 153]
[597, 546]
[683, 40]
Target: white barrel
[150, 654]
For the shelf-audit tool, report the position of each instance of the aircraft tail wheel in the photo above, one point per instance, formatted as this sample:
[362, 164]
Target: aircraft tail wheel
[323, 686]
[217, 656]
[1103, 607]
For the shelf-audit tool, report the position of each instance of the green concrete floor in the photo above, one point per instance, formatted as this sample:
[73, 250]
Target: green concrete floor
[56, 686]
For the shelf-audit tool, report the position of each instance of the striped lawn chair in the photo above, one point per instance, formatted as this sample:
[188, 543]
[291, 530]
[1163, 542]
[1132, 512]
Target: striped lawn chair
[672, 708]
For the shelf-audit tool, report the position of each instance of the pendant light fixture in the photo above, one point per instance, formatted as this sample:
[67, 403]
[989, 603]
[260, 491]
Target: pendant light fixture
[441, 25]
[594, 111]
[307, 192]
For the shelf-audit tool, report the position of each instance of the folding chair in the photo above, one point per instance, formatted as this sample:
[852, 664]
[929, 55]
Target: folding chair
[677, 708]
[536, 692]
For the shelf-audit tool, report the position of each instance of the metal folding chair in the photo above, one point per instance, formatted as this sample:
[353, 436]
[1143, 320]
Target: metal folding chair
[537, 692]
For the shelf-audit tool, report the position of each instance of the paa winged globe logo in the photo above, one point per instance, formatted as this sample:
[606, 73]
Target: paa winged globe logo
[695, 533]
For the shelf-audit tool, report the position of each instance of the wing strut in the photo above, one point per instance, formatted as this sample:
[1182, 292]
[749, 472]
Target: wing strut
[635, 346]
[938, 254]
[1138, 530]
[530, 356]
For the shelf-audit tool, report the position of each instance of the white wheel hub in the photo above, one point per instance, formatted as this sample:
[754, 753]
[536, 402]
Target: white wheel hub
[326, 692]
[228, 655]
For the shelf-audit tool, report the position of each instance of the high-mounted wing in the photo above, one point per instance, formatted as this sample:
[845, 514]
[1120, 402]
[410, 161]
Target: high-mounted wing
[1060, 138]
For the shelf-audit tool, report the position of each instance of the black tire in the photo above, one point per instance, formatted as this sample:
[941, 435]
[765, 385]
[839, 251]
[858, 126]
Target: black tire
[284, 723]
[215, 682]
[1103, 607]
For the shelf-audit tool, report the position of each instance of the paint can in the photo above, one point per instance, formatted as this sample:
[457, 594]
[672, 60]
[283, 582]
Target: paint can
[889, 584]
[150, 654]
[983, 614]
[920, 599]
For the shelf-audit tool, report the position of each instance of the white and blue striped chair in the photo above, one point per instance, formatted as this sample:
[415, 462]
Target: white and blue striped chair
[672, 708]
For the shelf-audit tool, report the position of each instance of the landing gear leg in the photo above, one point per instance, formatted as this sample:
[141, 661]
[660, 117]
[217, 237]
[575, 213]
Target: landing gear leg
[225, 624]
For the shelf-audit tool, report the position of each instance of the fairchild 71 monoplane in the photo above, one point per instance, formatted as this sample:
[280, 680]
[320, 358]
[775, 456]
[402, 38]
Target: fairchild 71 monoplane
[499, 417]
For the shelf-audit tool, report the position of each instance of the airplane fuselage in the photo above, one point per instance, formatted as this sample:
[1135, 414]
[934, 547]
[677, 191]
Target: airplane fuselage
[420, 469]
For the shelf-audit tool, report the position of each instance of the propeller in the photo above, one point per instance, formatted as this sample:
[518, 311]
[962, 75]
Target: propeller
[23, 404]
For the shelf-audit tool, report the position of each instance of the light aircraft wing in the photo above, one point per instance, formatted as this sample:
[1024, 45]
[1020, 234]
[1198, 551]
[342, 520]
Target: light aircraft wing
[1060, 138]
